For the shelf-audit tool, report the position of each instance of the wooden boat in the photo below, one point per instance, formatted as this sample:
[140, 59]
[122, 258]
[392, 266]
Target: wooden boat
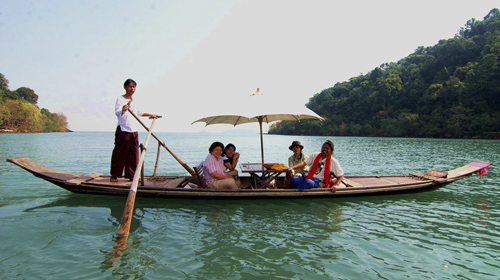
[186, 186]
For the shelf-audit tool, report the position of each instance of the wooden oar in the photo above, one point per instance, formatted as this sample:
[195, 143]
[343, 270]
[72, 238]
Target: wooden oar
[165, 146]
[122, 238]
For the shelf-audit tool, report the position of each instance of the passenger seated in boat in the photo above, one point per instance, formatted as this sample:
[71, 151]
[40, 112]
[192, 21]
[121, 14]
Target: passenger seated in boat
[297, 157]
[322, 165]
[230, 158]
[215, 175]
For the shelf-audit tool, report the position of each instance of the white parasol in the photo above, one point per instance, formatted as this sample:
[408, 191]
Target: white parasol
[259, 108]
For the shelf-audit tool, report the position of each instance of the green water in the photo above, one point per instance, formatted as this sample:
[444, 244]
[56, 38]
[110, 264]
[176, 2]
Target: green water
[448, 233]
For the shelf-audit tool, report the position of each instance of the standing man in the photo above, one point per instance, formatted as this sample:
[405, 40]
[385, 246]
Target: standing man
[126, 151]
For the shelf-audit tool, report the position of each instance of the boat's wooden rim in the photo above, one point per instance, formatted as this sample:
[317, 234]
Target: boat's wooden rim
[165, 186]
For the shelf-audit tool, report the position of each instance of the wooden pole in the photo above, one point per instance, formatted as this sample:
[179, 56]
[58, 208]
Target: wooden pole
[261, 140]
[123, 232]
[157, 159]
[164, 146]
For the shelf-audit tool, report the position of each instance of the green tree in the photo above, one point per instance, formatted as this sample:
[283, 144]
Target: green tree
[4, 86]
[5, 115]
[27, 94]
[24, 115]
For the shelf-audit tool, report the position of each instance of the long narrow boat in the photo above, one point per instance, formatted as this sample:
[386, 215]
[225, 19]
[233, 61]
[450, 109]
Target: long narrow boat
[185, 186]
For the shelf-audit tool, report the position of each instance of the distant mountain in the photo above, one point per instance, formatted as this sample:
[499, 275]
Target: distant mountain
[451, 89]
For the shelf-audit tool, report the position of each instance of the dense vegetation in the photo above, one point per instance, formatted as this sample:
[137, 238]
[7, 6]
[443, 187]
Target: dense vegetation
[19, 112]
[451, 89]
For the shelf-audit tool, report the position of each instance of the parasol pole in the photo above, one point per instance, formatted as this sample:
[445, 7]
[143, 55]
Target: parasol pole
[123, 232]
[164, 146]
[261, 140]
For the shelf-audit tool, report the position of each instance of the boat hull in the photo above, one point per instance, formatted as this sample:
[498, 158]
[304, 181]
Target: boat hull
[178, 187]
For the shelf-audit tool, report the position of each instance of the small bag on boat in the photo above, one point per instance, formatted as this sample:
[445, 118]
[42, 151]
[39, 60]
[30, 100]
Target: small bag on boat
[437, 173]
[275, 166]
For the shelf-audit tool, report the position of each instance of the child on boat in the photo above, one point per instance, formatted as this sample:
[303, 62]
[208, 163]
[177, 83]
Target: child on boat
[230, 158]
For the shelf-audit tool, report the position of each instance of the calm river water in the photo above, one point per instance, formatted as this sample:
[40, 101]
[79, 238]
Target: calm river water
[449, 233]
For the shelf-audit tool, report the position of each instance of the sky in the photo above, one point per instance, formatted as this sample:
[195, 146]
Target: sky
[191, 57]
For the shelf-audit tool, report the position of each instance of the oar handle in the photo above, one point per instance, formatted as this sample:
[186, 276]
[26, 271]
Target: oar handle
[128, 104]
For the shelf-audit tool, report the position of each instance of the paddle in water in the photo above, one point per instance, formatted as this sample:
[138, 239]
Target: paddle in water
[122, 238]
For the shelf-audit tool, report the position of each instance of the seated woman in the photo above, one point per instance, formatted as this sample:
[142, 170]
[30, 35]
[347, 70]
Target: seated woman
[230, 158]
[215, 175]
[297, 157]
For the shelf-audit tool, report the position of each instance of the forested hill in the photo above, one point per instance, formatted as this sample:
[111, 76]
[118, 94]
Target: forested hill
[19, 112]
[451, 89]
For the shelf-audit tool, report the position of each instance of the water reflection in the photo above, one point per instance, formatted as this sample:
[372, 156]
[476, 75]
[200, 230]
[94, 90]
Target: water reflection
[483, 211]
[235, 236]
[114, 204]
[220, 236]
[215, 238]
